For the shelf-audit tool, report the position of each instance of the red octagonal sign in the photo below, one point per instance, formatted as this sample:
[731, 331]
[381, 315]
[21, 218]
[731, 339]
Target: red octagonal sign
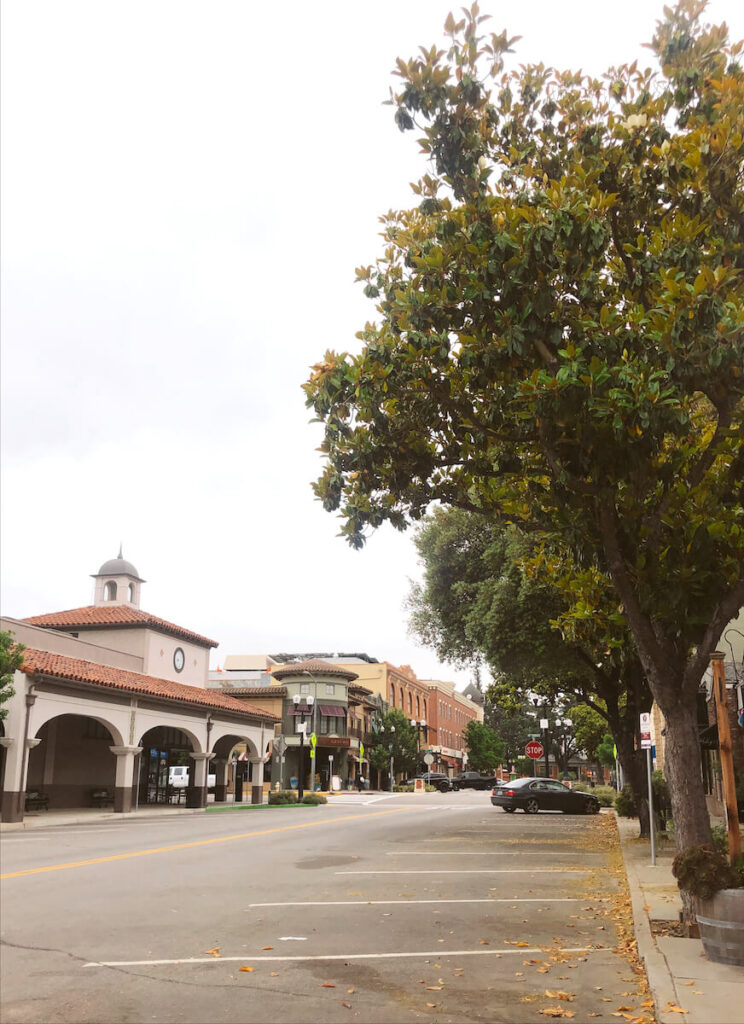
[534, 750]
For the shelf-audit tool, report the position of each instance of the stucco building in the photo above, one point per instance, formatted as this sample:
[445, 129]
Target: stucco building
[109, 698]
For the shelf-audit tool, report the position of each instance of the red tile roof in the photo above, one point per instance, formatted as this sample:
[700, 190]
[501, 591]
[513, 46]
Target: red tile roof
[44, 663]
[117, 616]
[254, 691]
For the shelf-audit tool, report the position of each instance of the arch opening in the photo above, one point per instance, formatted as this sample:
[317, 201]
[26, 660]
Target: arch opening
[73, 762]
[167, 772]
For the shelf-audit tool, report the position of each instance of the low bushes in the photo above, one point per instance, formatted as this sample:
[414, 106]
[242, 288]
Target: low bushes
[283, 796]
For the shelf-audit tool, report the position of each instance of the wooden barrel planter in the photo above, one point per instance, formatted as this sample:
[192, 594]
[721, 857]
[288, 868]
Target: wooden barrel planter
[721, 922]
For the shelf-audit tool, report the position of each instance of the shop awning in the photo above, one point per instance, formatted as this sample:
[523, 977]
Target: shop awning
[332, 711]
[299, 709]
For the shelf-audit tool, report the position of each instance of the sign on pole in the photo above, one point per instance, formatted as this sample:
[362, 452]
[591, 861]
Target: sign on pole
[428, 759]
[534, 750]
[645, 731]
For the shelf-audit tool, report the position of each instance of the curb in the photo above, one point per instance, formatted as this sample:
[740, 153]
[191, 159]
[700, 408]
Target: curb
[660, 980]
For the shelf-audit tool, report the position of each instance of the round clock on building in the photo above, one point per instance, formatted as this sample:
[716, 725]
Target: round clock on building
[179, 659]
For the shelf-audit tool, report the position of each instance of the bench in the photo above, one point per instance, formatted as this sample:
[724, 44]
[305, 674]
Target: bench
[36, 801]
[101, 798]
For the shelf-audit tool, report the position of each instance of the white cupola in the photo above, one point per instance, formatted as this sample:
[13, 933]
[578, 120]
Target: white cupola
[117, 582]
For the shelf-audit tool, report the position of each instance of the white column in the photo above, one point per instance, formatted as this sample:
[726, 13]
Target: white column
[257, 782]
[124, 776]
[196, 795]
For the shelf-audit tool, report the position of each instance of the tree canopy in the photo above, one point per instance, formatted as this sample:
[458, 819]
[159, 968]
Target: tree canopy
[11, 659]
[485, 748]
[559, 340]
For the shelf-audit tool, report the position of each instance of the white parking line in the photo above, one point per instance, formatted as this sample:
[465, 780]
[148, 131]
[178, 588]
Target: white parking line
[436, 954]
[488, 853]
[386, 903]
[476, 871]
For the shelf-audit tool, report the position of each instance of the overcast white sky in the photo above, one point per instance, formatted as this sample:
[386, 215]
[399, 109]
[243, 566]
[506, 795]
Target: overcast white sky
[187, 188]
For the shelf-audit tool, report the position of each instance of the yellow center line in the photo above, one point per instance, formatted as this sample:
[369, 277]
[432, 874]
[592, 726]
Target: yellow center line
[197, 842]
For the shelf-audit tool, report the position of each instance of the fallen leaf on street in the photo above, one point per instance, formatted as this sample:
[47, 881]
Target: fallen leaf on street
[267, 947]
[350, 991]
[523, 943]
[485, 942]
[559, 994]
[431, 1005]
[245, 969]
[673, 1008]
[347, 1005]
[543, 970]
[328, 984]
[212, 952]
[274, 974]
[434, 988]
[649, 1002]
[556, 1011]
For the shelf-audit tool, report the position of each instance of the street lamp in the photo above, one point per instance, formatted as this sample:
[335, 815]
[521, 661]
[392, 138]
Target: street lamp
[419, 727]
[306, 708]
[390, 748]
[544, 730]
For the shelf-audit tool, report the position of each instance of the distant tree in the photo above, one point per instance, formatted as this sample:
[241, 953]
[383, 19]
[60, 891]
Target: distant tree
[485, 749]
[11, 659]
[512, 721]
[549, 630]
[396, 730]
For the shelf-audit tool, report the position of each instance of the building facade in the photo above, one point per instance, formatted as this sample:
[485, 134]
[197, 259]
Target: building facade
[109, 699]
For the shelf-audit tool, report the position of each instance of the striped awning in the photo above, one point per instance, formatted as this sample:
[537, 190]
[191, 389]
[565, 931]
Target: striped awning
[299, 709]
[332, 711]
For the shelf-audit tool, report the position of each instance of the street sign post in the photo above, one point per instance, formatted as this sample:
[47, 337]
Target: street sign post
[645, 730]
[534, 750]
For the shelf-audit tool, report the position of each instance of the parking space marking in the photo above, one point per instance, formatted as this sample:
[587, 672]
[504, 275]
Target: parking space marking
[436, 954]
[476, 871]
[386, 903]
[486, 853]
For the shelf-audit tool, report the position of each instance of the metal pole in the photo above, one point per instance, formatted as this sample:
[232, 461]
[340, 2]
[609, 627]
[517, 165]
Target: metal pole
[391, 767]
[651, 822]
[547, 755]
[726, 756]
[300, 787]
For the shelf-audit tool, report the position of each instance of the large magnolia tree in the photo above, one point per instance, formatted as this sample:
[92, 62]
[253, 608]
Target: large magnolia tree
[559, 336]
[547, 627]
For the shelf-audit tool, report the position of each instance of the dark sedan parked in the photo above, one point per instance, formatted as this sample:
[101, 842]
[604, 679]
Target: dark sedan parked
[533, 795]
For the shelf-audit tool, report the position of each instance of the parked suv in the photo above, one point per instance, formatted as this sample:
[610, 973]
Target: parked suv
[473, 780]
[437, 779]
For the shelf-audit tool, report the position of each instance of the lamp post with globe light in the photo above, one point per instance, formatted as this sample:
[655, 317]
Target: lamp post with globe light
[302, 710]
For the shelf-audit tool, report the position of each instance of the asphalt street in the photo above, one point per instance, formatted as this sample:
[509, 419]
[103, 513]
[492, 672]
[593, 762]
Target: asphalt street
[377, 909]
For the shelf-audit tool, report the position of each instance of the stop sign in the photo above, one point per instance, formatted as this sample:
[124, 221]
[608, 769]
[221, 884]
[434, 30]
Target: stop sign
[534, 750]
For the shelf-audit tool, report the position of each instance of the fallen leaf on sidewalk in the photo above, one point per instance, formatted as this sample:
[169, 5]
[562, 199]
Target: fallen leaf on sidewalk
[274, 974]
[245, 968]
[212, 952]
[347, 1005]
[543, 970]
[688, 982]
[350, 991]
[431, 1005]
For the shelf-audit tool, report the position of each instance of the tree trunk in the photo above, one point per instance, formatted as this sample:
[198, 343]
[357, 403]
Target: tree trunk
[683, 769]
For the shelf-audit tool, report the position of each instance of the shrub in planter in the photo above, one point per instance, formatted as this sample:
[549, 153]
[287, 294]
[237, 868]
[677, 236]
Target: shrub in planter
[283, 796]
[705, 872]
[314, 798]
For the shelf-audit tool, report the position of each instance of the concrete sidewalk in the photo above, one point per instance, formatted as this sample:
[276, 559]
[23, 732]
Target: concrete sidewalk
[678, 971]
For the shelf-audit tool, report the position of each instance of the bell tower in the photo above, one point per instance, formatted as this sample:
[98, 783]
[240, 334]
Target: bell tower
[117, 582]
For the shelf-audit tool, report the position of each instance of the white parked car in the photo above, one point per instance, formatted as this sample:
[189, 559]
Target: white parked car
[178, 777]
